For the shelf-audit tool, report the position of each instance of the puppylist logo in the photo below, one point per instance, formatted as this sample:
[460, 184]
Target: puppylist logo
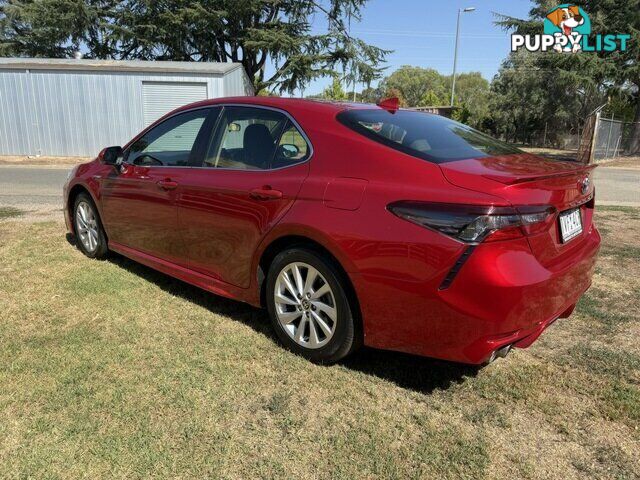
[567, 28]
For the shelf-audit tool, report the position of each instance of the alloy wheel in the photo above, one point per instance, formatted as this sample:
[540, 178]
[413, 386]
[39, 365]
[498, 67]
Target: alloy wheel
[87, 226]
[305, 305]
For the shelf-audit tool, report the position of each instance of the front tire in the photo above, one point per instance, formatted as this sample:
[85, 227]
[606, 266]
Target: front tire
[90, 237]
[308, 306]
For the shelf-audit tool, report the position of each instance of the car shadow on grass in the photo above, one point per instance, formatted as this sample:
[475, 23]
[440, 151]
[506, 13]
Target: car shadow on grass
[420, 374]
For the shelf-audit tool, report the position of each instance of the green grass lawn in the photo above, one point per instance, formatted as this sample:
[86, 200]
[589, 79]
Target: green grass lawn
[109, 369]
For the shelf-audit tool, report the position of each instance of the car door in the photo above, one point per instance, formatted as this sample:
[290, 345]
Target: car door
[252, 172]
[139, 202]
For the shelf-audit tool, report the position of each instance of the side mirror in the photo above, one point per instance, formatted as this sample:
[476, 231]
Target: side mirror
[111, 156]
[289, 150]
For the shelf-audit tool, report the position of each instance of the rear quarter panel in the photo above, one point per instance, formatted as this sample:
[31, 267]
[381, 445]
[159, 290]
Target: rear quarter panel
[380, 252]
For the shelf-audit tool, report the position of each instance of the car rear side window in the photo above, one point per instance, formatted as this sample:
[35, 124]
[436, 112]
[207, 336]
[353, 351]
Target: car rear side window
[245, 139]
[292, 148]
[424, 135]
[253, 138]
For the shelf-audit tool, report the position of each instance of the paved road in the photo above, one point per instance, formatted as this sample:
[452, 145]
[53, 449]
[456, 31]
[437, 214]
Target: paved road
[617, 186]
[32, 186]
[42, 186]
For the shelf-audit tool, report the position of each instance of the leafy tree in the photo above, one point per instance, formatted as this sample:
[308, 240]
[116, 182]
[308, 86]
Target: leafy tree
[614, 74]
[266, 93]
[334, 91]
[419, 87]
[391, 92]
[468, 87]
[413, 83]
[371, 95]
[252, 32]
[432, 99]
[472, 98]
[529, 101]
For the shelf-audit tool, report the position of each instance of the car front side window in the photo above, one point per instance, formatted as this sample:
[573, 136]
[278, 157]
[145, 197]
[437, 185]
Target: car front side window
[170, 143]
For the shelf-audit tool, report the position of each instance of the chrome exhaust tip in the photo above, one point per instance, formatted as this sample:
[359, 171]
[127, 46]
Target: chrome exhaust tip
[499, 353]
[503, 352]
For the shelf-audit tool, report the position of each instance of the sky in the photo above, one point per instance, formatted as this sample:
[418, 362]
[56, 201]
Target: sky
[422, 33]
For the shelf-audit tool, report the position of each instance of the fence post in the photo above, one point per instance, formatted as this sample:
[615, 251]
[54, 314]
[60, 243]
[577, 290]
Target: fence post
[615, 152]
[596, 124]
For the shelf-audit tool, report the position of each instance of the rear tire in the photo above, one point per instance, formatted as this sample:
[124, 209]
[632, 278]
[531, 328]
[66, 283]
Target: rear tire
[308, 306]
[90, 236]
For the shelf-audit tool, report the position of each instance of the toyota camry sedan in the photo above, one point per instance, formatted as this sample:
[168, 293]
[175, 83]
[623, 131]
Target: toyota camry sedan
[351, 224]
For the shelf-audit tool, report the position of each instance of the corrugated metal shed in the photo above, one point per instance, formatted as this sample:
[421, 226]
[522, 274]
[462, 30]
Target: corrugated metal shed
[65, 107]
[160, 97]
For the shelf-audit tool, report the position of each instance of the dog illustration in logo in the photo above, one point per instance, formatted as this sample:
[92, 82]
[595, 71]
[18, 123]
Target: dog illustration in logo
[566, 19]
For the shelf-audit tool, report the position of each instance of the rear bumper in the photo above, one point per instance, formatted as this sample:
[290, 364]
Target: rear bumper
[501, 296]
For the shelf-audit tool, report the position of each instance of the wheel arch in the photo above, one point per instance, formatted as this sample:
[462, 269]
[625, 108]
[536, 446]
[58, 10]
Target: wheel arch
[76, 190]
[304, 240]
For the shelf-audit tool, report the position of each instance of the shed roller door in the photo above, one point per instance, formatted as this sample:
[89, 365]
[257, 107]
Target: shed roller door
[161, 97]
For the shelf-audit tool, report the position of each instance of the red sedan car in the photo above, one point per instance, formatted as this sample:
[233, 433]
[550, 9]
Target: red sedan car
[352, 224]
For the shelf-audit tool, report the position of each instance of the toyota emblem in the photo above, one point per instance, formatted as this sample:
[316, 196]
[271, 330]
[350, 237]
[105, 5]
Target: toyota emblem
[584, 185]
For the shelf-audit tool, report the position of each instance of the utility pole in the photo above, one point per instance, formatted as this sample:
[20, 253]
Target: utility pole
[455, 53]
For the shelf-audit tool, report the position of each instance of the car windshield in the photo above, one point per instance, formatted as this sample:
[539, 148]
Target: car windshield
[424, 135]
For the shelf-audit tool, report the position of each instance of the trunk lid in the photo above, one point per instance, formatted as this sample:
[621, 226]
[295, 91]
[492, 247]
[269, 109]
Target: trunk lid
[524, 180]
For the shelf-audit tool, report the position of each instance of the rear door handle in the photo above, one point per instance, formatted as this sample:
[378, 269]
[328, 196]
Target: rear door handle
[265, 193]
[167, 184]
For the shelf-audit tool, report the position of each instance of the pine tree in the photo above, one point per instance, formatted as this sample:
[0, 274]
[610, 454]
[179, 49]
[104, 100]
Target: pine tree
[252, 32]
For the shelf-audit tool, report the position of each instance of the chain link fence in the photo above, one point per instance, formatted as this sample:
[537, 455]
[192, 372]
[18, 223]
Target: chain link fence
[564, 141]
[601, 138]
[612, 138]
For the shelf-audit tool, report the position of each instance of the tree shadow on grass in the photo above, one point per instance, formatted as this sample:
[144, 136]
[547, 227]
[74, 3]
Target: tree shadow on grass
[411, 372]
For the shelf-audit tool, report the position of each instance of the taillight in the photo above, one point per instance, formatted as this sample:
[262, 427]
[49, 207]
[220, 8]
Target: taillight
[536, 219]
[475, 223]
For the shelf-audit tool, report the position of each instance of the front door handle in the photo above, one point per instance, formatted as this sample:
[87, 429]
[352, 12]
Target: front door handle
[265, 193]
[167, 184]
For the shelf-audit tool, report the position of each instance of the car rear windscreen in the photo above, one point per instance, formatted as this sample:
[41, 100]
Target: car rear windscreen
[424, 135]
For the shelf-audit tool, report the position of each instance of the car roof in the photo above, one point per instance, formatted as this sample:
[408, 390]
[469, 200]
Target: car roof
[287, 104]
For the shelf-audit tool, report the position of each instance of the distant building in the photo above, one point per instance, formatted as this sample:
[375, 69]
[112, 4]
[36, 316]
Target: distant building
[444, 111]
[74, 107]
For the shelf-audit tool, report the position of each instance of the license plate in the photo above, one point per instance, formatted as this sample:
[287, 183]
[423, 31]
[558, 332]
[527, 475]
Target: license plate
[570, 224]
